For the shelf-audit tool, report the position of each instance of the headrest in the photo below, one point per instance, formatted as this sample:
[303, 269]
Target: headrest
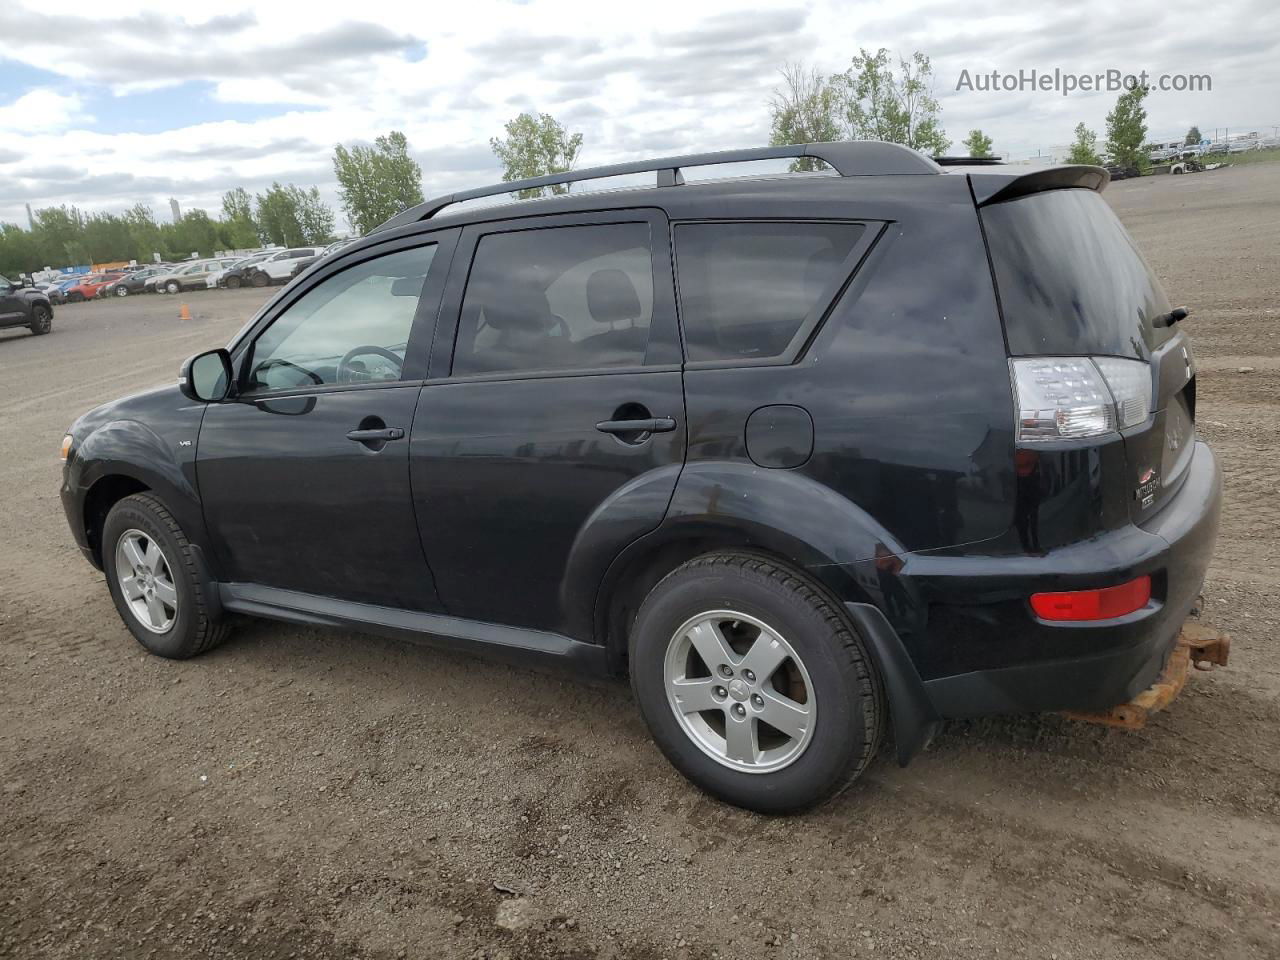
[612, 297]
[520, 303]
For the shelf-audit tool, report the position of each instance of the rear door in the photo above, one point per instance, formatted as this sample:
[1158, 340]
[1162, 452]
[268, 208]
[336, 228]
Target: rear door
[552, 431]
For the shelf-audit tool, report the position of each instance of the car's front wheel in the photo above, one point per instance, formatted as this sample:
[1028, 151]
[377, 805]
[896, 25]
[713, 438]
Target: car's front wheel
[41, 319]
[233, 283]
[122, 291]
[172, 287]
[754, 685]
[154, 580]
[260, 279]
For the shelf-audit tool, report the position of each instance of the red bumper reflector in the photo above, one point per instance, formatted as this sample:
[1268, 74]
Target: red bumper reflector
[1093, 604]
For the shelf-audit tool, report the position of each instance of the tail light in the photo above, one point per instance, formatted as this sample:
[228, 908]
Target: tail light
[1101, 604]
[1066, 398]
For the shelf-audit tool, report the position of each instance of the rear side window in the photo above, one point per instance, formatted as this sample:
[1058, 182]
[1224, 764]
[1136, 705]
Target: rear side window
[747, 289]
[559, 298]
[1070, 279]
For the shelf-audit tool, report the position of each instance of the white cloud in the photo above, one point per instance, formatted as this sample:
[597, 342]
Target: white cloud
[673, 77]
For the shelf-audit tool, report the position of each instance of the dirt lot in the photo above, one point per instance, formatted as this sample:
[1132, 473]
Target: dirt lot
[314, 794]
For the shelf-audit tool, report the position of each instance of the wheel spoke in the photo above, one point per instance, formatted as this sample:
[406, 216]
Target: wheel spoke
[132, 553]
[740, 740]
[694, 696]
[765, 656]
[784, 714]
[153, 557]
[167, 593]
[155, 611]
[131, 588]
[710, 644]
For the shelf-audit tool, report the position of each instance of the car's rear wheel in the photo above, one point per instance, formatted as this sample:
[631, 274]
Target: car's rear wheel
[172, 287]
[233, 283]
[754, 685]
[41, 319]
[154, 580]
[260, 279]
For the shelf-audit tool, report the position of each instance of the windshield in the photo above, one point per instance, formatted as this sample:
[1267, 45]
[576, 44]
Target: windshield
[1070, 279]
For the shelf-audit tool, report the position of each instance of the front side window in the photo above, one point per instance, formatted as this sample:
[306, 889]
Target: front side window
[557, 298]
[746, 289]
[351, 328]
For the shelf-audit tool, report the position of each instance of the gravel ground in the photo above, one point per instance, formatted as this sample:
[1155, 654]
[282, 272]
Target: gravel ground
[302, 793]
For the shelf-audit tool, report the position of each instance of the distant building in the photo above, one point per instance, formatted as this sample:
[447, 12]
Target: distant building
[175, 210]
[31, 220]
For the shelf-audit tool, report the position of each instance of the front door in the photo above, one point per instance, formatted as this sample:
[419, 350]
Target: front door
[552, 434]
[305, 474]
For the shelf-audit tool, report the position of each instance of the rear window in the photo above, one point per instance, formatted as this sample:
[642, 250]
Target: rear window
[1071, 281]
[747, 289]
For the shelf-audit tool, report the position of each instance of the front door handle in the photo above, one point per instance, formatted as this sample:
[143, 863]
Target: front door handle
[651, 425]
[372, 436]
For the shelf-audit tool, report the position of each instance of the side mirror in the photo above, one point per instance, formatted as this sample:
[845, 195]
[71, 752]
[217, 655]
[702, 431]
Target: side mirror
[206, 377]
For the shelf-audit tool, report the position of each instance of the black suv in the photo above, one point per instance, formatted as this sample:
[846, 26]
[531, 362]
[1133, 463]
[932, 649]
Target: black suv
[807, 456]
[24, 307]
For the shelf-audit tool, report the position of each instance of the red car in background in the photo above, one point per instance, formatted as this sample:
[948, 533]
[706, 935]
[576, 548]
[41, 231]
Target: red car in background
[88, 288]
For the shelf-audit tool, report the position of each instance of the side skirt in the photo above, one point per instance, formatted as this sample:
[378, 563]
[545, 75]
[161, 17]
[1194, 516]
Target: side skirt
[535, 647]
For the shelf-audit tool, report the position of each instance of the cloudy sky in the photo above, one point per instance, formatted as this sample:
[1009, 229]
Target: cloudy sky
[104, 105]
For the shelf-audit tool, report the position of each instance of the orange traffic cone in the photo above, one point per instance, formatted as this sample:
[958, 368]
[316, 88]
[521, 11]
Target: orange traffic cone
[184, 313]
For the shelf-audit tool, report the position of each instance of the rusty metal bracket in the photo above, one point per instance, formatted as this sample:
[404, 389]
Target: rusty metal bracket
[1198, 645]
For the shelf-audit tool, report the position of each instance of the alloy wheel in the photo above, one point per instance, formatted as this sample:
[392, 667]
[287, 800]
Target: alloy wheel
[146, 581]
[740, 691]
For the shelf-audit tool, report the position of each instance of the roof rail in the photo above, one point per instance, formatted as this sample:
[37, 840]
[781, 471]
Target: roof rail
[849, 158]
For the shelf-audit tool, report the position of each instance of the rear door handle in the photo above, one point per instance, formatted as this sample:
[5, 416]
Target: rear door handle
[652, 425]
[386, 433]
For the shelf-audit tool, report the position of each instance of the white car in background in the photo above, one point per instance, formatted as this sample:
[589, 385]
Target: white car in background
[278, 268]
[212, 281]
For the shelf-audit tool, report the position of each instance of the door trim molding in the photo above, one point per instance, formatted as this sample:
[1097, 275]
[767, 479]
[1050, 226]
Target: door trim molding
[439, 629]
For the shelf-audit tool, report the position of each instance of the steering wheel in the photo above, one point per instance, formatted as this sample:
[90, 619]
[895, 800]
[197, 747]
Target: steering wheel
[346, 373]
[281, 362]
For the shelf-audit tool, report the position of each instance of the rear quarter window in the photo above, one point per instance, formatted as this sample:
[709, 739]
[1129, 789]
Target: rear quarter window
[748, 288]
[1070, 279]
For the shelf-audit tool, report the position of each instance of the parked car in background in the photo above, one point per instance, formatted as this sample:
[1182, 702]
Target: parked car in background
[192, 276]
[89, 286]
[59, 288]
[278, 268]
[233, 276]
[24, 307]
[133, 282]
[332, 248]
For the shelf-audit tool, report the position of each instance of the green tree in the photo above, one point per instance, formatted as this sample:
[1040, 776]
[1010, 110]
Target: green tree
[806, 109]
[1084, 148]
[194, 233]
[291, 216]
[59, 236]
[535, 147]
[144, 233]
[899, 108]
[1127, 129]
[977, 144]
[375, 183]
[239, 230]
[1193, 137]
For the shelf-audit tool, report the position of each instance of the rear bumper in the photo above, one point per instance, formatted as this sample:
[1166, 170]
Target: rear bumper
[980, 650]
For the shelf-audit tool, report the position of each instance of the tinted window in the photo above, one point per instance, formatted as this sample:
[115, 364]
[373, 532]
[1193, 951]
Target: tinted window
[1070, 279]
[747, 288]
[562, 298]
[352, 328]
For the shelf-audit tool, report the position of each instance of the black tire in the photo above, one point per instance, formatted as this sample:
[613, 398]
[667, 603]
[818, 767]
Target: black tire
[233, 283]
[848, 695]
[173, 286]
[41, 319]
[122, 291]
[195, 628]
[260, 279]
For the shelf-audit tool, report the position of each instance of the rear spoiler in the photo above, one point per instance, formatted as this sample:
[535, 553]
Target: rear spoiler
[999, 185]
